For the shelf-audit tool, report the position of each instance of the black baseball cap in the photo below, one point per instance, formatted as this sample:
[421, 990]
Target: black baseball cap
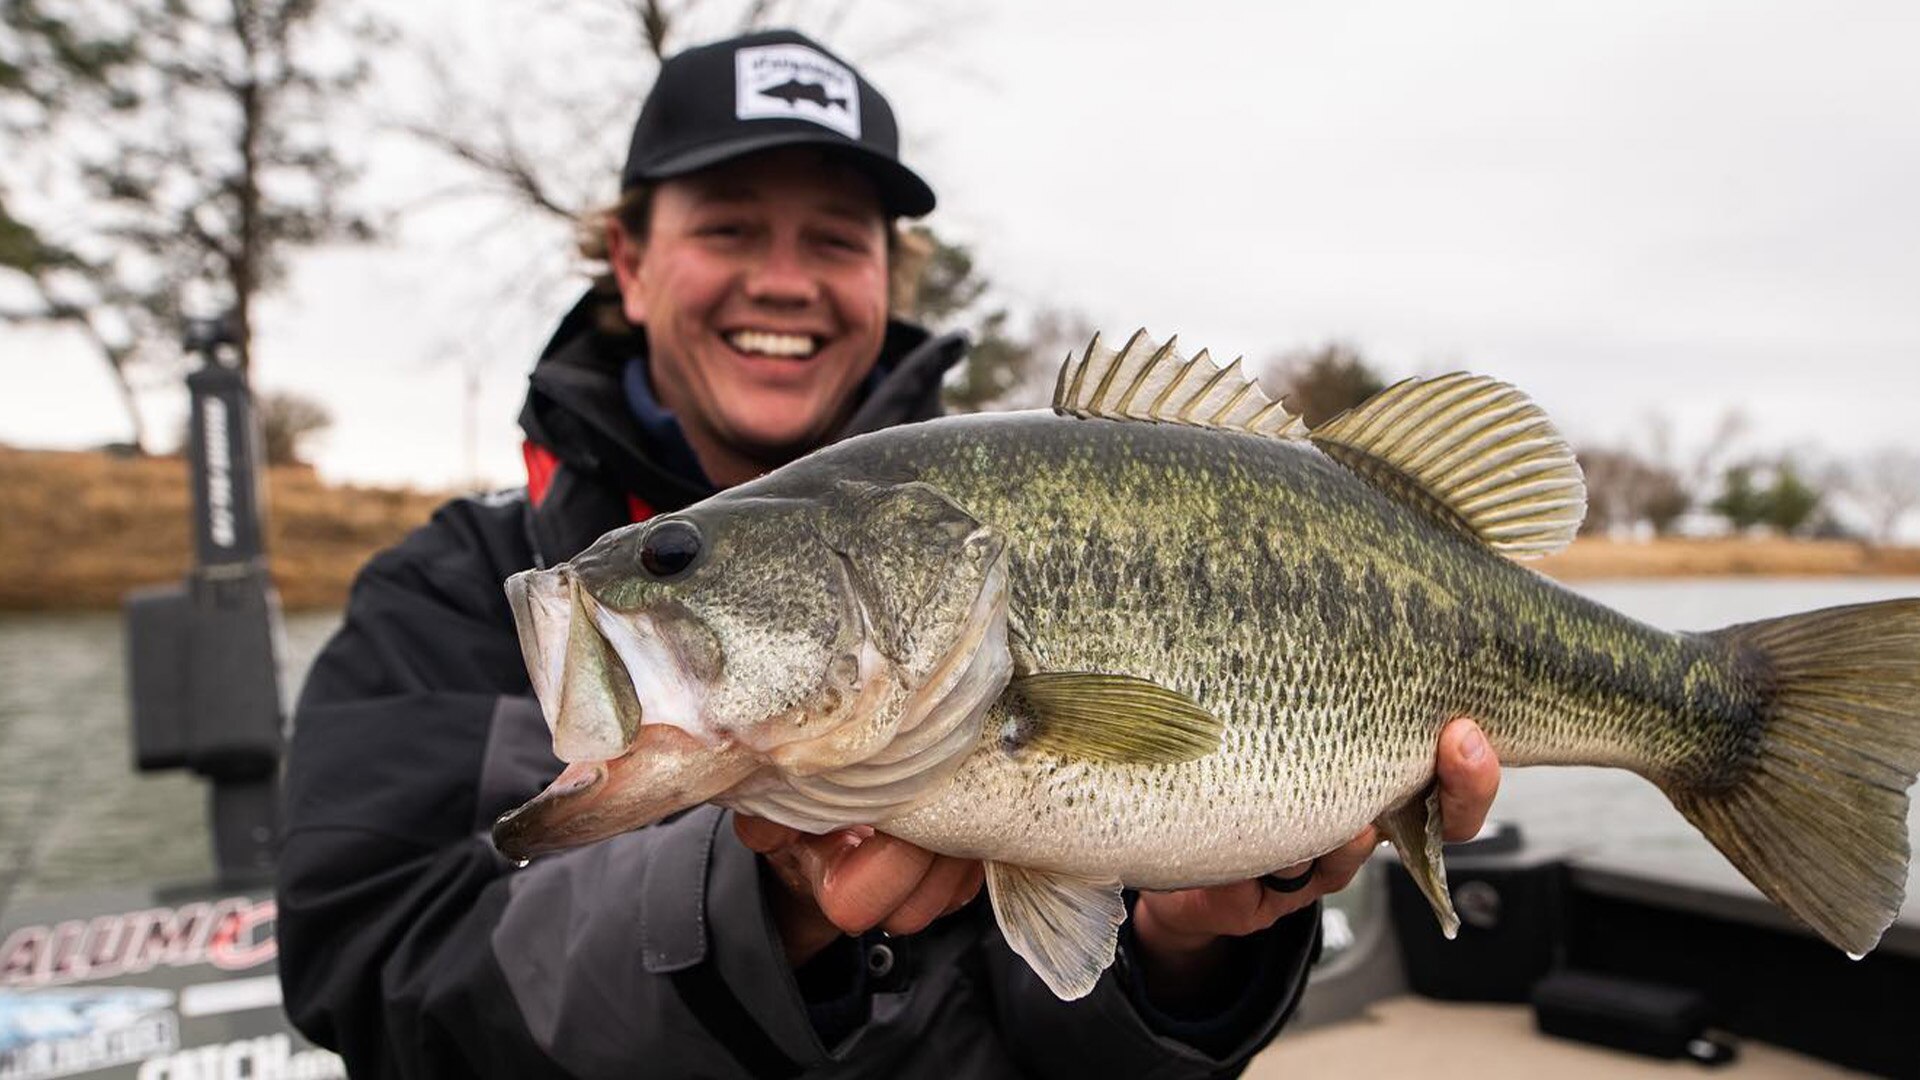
[718, 102]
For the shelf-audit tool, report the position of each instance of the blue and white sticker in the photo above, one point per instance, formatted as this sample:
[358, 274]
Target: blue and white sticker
[67, 1030]
[795, 82]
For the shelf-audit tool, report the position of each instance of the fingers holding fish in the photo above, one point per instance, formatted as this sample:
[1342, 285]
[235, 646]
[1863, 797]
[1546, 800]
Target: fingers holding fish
[1336, 869]
[795, 860]
[968, 888]
[943, 888]
[1469, 776]
[763, 836]
[853, 880]
[892, 884]
[1187, 919]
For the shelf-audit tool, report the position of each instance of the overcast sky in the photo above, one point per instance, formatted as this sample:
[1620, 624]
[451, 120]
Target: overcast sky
[1626, 208]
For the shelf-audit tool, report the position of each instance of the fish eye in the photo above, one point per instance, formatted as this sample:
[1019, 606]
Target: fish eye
[670, 547]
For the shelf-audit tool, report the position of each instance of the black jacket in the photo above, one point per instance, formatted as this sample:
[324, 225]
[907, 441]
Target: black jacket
[412, 947]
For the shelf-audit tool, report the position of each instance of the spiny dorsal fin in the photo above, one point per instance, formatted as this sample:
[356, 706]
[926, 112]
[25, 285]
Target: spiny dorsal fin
[1149, 381]
[1473, 451]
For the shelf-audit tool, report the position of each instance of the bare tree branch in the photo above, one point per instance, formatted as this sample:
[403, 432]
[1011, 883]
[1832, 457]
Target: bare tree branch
[506, 165]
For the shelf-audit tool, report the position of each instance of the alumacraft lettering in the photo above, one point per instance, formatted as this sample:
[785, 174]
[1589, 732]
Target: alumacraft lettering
[269, 1057]
[219, 457]
[231, 934]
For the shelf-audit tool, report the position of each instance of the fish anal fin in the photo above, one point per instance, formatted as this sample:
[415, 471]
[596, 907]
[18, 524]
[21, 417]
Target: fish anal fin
[1066, 928]
[1471, 452]
[1413, 828]
[1149, 381]
[1116, 719]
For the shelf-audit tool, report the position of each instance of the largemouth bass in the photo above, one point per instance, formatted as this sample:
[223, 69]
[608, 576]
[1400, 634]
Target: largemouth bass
[1163, 637]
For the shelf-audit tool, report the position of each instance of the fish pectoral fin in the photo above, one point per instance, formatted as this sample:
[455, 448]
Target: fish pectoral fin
[1110, 718]
[1414, 829]
[1066, 928]
[1472, 453]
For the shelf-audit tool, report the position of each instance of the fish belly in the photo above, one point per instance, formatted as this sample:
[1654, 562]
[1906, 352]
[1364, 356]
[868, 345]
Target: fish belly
[1237, 814]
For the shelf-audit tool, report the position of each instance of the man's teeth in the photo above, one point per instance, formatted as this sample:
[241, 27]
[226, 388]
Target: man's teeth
[771, 344]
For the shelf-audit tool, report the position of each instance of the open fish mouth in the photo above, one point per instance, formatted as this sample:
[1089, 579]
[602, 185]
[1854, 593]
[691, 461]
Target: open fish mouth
[624, 716]
[598, 673]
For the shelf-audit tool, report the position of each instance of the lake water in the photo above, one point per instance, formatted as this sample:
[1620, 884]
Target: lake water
[74, 815]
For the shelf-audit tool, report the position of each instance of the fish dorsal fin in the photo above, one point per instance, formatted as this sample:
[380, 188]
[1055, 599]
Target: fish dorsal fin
[1473, 452]
[1146, 380]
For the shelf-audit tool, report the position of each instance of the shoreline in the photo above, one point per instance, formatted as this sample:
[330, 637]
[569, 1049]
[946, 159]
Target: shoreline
[1598, 558]
[82, 529]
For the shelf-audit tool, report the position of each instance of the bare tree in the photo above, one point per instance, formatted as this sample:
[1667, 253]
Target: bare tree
[1624, 490]
[1886, 483]
[1718, 453]
[56, 63]
[287, 422]
[167, 156]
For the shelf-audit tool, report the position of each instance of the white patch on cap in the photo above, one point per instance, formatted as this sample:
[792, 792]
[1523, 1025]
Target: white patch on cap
[795, 82]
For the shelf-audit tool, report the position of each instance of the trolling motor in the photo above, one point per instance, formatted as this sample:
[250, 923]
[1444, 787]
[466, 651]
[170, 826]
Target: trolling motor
[202, 656]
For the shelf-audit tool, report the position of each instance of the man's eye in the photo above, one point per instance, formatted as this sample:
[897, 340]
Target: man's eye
[722, 230]
[857, 244]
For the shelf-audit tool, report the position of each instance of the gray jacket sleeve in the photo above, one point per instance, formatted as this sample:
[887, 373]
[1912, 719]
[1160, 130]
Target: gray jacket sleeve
[654, 947]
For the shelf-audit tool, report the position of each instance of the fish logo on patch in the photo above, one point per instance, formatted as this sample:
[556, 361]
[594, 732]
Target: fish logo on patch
[795, 82]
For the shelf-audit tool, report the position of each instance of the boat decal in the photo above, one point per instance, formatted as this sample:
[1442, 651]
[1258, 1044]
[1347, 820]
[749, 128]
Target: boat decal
[231, 934]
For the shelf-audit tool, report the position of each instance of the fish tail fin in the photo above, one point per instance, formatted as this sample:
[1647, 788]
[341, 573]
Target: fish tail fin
[1818, 818]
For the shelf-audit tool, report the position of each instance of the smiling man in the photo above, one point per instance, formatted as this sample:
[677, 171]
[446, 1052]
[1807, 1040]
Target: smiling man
[743, 321]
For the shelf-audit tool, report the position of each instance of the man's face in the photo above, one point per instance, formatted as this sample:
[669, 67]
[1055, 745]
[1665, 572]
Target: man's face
[762, 286]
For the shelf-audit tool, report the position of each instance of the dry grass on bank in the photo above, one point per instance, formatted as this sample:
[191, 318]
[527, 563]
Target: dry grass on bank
[78, 530]
[1591, 558]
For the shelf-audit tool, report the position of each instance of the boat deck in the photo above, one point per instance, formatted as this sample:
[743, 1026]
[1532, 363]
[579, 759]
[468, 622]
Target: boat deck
[1435, 1040]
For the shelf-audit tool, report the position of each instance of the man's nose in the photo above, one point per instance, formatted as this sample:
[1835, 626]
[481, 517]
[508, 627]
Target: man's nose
[781, 276]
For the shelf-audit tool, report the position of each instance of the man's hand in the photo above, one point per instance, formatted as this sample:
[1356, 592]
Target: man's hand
[850, 881]
[1182, 935]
